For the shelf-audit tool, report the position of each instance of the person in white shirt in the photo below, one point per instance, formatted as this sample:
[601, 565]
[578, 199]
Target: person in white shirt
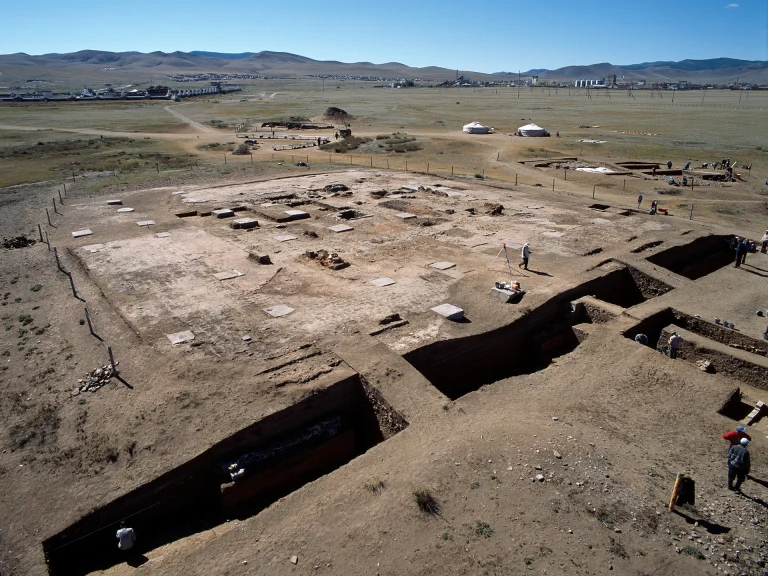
[675, 343]
[126, 537]
[764, 241]
[526, 253]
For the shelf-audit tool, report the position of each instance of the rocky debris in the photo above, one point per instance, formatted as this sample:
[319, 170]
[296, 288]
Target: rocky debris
[494, 209]
[263, 259]
[335, 188]
[379, 193]
[294, 559]
[302, 164]
[18, 242]
[539, 477]
[241, 150]
[705, 366]
[94, 380]
[310, 233]
[757, 413]
[328, 259]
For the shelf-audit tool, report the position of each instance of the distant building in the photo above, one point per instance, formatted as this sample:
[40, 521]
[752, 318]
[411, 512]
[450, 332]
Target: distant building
[591, 83]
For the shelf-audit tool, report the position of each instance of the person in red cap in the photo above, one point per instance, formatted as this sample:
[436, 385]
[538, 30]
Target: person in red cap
[735, 436]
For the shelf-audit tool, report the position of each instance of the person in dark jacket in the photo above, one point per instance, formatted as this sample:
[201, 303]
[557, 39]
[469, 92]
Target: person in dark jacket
[744, 250]
[739, 251]
[738, 464]
[735, 436]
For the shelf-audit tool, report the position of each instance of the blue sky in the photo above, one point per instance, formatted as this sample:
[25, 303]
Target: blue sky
[483, 35]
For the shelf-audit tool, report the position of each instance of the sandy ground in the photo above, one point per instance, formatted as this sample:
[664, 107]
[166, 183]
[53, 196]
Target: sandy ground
[622, 418]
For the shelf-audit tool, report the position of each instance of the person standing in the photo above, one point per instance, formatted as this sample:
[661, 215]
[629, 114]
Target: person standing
[526, 254]
[126, 537]
[738, 464]
[735, 436]
[764, 242]
[739, 248]
[744, 250]
[640, 201]
[675, 343]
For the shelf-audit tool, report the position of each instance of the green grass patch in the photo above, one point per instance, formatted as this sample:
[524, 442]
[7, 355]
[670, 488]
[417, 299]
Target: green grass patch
[345, 144]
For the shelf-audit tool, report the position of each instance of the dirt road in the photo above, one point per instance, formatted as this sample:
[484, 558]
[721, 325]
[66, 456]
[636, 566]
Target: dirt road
[195, 125]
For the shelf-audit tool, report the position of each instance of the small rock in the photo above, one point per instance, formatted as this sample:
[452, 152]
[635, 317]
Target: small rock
[617, 530]
[294, 559]
[540, 477]
[555, 418]
[557, 454]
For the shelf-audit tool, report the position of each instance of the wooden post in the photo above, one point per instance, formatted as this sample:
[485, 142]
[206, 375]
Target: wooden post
[72, 283]
[58, 262]
[406, 165]
[483, 173]
[157, 166]
[47, 242]
[65, 188]
[307, 159]
[553, 184]
[49, 217]
[371, 161]
[73, 176]
[387, 162]
[251, 157]
[427, 167]
[691, 216]
[624, 187]
[54, 205]
[88, 319]
[593, 192]
[225, 158]
[515, 179]
[112, 360]
[451, 169]
[498, 154]
[350, 159]
[675, 490]
[292, 159]
[565, 171]
[40, 230]
[61, 200]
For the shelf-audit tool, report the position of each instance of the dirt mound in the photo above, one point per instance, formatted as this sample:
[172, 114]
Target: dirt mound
[337, 114]
[17, 242]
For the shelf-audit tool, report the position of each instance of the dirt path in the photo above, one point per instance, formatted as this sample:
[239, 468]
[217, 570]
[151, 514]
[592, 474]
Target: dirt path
[195, 125]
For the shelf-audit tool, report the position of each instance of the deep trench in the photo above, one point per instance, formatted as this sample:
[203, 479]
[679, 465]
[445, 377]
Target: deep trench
[530, 343]
[279, 454]
[698, 258]
[656, 328]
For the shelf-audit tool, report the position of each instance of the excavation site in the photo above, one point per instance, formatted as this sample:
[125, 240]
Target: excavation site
[402, 349]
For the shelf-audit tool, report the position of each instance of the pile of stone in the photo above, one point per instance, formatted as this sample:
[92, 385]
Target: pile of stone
[17, 242]
[335, 188]
[493, 209]
[328, 259]
[94, 380]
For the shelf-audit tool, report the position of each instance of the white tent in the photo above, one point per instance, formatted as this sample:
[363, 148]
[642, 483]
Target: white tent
[476, 128]
[532, 130]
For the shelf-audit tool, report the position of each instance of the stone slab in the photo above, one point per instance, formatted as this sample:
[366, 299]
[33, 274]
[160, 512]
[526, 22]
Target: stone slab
[453, 194]
[94, 247]
[223, 213]
[228, 274]
[381, 282]
[286, 238]
[443, 265]
[244, 223]
[163, 235]
[279, 310]
[114, 202]
[81, 233]
[181, 337]
[340, 228]
[124, 210]
[178, 192]
[146, 223]
[449, 311]
[506, 296]
[297, 214]
[405, 215]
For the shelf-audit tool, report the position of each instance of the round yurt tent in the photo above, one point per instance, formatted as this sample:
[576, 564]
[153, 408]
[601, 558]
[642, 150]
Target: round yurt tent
[476, 128]
[532, 130]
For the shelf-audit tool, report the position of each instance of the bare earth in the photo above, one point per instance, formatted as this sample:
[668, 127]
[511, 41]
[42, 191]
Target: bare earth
[339, 420]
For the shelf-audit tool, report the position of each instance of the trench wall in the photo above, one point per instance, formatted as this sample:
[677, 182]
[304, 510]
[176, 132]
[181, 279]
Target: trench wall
[698, 258]
[189, 497]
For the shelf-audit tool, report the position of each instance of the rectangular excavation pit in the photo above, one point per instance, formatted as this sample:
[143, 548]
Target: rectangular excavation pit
[530, 343]
[698, 258]
[729, 352]
[626, 286]
[279, 454]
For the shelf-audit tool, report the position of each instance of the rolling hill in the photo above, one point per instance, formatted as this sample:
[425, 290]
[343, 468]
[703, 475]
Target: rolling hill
[98, 67]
